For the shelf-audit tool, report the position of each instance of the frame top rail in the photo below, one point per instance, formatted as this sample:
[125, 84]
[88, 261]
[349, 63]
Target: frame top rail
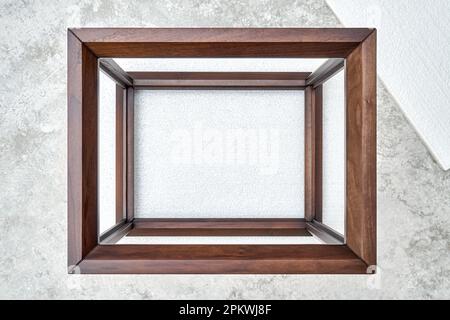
[221, 42]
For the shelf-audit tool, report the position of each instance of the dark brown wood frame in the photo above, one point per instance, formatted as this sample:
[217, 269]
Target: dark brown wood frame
[352, 49]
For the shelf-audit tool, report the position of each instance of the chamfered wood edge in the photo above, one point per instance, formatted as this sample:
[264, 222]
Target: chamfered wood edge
[361, 150]
[225, 259]
[230, 35]
[110, 67]
[219, 227]
[327, 70]
[116, 233]
[324, 233]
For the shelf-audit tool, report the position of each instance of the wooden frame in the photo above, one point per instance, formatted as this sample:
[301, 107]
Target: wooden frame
[352, 49]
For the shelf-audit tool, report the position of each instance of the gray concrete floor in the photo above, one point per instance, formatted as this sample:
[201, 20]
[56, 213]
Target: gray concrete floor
[413, 192]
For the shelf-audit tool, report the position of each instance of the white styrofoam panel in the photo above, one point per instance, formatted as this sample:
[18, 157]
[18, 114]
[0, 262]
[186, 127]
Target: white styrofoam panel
[106, 152]
[333, 180]
[413, 60]
[220, 64]
[188, 165]
[219, 240]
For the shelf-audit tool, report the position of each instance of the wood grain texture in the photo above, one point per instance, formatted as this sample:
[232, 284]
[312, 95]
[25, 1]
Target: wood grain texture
[116, 233]
[82, 150]
[313, 153]
[213, 259]
[110, 67]
[130, 154]
[219, 79]
[361, 144]
[120, 154]
[328, 69]
[221, 42]
[309, 153]
[219, 227]
[318, 146]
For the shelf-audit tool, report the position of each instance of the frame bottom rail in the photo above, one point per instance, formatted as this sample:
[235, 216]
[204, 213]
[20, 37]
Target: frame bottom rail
[225, 259]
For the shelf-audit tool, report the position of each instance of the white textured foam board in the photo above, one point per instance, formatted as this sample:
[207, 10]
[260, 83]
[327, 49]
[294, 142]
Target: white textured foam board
[188, 162]
[413, 60]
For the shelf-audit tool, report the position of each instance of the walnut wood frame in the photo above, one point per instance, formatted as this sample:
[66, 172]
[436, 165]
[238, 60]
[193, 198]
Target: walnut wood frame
[89, 253]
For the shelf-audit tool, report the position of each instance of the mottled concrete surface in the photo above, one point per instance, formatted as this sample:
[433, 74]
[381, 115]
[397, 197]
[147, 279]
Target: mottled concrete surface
[413, 192]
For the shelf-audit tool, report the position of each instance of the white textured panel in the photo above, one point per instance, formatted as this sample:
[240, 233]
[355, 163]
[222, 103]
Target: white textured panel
[188, 164]
[413, 60]
[106, 152]
[219, 240]
[333, 211]
[220, 64]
